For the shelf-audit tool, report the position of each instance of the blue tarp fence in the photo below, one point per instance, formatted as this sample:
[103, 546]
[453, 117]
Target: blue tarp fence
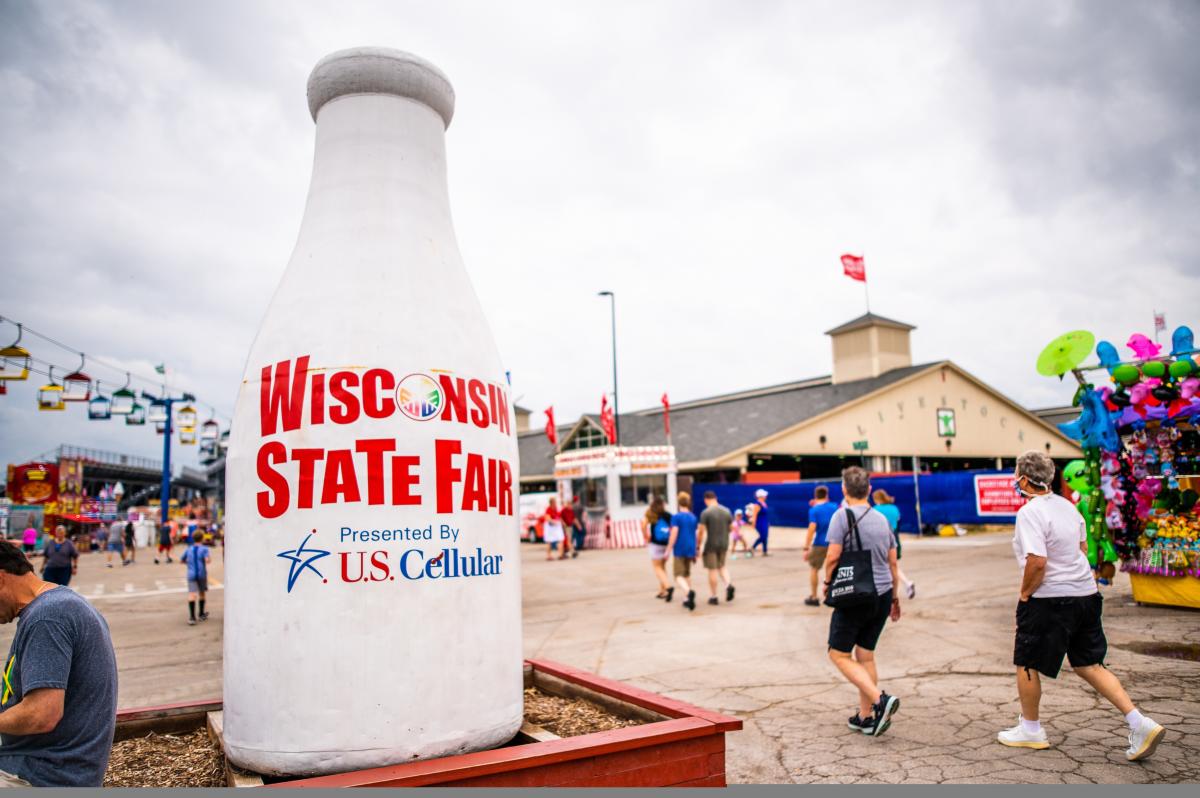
[946, 498]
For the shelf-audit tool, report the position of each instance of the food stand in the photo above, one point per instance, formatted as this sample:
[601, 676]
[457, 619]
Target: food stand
[616, 485]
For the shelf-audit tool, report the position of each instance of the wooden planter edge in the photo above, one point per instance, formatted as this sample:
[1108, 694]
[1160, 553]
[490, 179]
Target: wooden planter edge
[684, 722]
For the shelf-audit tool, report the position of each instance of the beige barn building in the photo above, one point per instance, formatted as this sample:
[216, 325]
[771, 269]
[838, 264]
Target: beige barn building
[876, 408]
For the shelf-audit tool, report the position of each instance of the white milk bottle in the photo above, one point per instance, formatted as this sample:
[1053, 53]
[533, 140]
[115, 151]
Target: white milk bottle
[372, 593]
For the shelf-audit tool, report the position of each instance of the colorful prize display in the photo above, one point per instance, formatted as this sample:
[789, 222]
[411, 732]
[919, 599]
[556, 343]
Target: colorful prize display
[1137, 485]
[373, 610]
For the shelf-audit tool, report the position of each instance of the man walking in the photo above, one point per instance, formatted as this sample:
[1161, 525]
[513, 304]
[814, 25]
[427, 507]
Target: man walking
[101, 537]
[116, 543]
[856, 630]
[569, 521]
[714, 543]
[129, 556]
[761, 518]
[196, 557]
[580, 531]
[682, 544]
[1059, 612]
[816, 545]
[166, 532]
[59, 696]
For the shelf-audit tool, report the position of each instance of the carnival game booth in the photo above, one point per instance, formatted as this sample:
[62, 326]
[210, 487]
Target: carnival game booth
[1138, 486]
[616, 485]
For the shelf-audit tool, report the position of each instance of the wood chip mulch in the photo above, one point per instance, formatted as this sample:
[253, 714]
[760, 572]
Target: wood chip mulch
[570, 717]
[191, 760]
[166, 760]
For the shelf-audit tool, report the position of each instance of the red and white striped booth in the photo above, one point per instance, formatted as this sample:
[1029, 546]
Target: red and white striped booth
[609, 534]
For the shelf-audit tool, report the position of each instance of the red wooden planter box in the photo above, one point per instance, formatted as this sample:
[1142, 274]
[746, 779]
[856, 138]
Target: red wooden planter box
[681, 745]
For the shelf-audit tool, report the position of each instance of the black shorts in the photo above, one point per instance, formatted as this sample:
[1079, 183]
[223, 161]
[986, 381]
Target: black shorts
[859, 626]
[1049, 628]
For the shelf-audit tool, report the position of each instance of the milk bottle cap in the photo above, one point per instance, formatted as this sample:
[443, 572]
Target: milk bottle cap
[380, 70]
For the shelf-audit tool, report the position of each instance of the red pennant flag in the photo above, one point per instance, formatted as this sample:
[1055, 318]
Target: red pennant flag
[607, 421]
[551, 429]
[854, 267]
[666, 403]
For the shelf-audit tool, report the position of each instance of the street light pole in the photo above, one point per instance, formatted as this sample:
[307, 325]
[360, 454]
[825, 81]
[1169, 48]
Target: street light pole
[616, 406]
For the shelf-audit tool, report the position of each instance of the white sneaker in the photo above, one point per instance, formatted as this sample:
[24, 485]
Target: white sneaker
[1017, 737]
[1144, 739]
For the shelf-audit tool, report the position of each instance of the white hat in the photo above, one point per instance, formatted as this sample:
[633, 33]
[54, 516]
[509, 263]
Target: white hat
[750, 507]
[760, 494]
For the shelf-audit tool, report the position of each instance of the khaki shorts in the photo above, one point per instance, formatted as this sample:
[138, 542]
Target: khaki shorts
[682, 566]
[714, 559]
[816, 556]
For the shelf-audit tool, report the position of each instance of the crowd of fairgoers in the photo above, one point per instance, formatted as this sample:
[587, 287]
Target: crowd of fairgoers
[853, 553]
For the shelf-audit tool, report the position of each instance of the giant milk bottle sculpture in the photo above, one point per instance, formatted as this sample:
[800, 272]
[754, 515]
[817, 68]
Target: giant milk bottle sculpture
[373, 610]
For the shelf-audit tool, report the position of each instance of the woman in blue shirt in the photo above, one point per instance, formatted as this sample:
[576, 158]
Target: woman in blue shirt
[885, 505]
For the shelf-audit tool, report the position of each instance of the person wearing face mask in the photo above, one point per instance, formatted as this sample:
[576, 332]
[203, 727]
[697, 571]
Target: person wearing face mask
[1059, 611]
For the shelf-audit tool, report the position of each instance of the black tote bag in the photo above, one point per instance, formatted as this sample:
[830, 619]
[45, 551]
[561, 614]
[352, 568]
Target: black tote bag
[853, 583]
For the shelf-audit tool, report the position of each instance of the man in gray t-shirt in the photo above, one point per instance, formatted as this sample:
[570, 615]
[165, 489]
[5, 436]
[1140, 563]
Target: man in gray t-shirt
[876, 535]
[58, 700]
[854, 630]
[714, 526]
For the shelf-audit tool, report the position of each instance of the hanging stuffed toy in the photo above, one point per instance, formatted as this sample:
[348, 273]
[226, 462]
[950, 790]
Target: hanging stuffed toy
[1188, 403]
[1183, 345]
[1147, 492]
[1108, 355]
[1094, 428]
[1143, 348]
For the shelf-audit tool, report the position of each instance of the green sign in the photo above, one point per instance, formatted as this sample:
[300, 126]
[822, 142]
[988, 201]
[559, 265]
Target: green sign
[945, 422]
[859, 446]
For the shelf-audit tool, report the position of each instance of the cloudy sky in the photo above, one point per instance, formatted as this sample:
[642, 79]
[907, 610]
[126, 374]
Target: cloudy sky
[1011, 170]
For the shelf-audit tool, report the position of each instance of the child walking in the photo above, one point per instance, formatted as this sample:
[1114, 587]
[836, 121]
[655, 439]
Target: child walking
[196, 557]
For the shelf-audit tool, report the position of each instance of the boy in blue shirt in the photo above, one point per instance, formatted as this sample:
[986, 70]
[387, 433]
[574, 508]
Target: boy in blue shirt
[816, 545]
[682, 544]
[196, 560]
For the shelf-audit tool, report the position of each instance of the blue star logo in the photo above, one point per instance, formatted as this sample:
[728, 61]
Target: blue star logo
[301, 558]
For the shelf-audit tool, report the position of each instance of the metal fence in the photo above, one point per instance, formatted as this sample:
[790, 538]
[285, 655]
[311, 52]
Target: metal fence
[108, 458]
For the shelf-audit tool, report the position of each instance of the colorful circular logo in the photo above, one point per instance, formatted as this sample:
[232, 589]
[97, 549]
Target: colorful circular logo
[419, 397]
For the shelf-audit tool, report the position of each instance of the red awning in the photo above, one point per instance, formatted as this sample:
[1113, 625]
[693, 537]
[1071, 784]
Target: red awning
[81, 519]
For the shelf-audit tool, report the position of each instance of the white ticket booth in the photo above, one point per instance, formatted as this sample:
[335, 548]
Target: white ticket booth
[616, 485]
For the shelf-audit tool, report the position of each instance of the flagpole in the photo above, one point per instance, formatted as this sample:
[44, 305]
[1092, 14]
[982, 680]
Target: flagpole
[866, 290]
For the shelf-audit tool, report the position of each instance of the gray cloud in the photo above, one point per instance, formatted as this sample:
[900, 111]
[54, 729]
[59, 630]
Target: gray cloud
[1098, 98]
[1011, 171]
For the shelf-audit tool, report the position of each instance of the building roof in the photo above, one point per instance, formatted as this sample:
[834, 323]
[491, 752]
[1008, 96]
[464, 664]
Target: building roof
[707, 429]
[868, 320]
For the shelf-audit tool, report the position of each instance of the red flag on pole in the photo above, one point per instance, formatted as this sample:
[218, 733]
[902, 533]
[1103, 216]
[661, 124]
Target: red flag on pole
[551, 429]
[854, 267]
[607, 421]
[666, 415]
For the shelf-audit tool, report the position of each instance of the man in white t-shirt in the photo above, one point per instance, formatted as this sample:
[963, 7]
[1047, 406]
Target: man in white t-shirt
[1059, 612]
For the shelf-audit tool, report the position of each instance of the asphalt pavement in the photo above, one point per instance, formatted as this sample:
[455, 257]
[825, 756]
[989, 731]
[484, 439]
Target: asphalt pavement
[763, 658]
